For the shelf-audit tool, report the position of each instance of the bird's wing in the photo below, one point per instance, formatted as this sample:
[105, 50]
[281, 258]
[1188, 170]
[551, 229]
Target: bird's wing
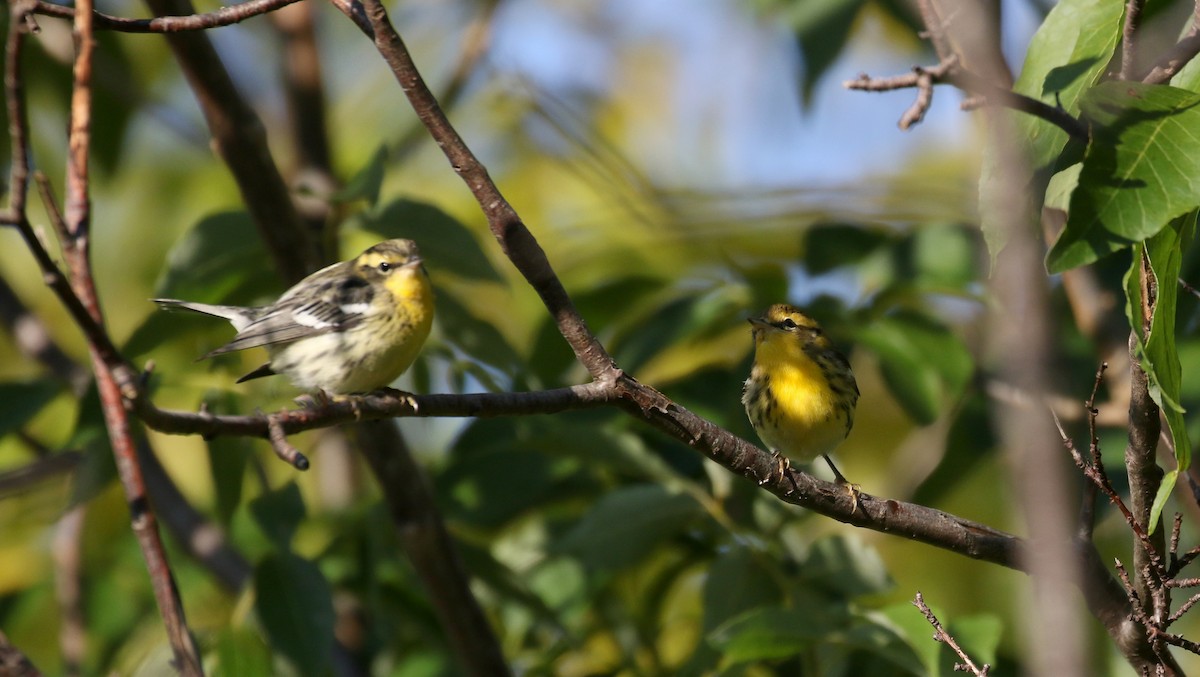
[332, 306]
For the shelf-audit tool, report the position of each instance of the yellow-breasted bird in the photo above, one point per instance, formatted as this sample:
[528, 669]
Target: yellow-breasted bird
[351, 327]
[801, 393]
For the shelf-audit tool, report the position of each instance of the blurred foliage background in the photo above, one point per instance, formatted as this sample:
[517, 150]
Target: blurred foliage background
[684, 164]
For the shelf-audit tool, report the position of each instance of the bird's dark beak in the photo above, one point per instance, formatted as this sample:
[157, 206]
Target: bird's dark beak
[414, 262]
[758, 322]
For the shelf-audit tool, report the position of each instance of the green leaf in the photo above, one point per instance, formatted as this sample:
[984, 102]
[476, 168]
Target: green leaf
[822, 27]
[445, 243]
[738, 581]
[1141, 170]
[775, 633]
[847, 565]
[295, 605]
[830, 246]
[979, 636]
[945, 255]
[923, 362]
[475, 336]
[767, 634]
[1068, 54]
[220, 260]
[490, 488]
[1158, 352]
[365, 184]
[21, 401]
[99, 468]
[241, 653]
[687, 314]
[880, 646]
[228, 457]
[278, 513]
[971, 441]
[1160, 499]
[626, 525]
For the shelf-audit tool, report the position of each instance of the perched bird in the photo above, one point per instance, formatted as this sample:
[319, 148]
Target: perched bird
[351, 327]
[801, 393]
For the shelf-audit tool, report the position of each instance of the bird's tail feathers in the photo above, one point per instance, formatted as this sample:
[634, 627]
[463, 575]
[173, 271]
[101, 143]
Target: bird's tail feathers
[234, 314]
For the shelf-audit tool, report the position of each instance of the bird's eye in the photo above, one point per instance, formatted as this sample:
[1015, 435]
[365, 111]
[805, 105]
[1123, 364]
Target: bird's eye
[788, 323]
[385, 267]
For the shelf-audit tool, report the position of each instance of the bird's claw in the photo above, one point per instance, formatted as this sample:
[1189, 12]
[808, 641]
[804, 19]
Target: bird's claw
[407, 398]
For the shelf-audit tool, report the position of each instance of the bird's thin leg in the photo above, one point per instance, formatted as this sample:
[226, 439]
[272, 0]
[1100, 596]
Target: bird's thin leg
[841, 479]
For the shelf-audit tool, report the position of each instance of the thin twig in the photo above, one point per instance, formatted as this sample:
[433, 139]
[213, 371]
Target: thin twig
[1183, 608]
[916, 112]
[940, 635]
[225, 16]
[1094, 470]
[13, 663]
[935, 30]
[1178, 56]
[278, 438]
[952, 73]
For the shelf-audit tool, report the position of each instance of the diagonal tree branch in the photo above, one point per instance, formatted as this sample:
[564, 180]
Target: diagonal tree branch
[515, 240]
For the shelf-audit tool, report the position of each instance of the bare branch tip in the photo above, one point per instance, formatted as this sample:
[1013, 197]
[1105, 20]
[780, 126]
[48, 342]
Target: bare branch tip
[283, 449]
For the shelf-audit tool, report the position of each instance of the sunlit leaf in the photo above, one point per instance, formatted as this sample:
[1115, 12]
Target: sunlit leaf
[1068, 54]
[1141, 170]
[295, 605]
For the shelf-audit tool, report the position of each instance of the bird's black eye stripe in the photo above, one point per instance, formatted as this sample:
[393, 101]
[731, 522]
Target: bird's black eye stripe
[385, 267]
[788, 323]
